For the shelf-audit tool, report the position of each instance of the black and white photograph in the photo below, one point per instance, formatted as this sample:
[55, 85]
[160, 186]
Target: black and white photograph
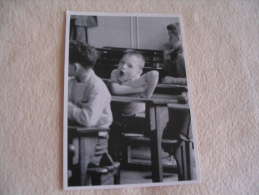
[127, 113]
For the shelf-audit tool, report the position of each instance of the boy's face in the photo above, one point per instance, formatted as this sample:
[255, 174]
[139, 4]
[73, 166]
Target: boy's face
[74, 69]
[130, 66]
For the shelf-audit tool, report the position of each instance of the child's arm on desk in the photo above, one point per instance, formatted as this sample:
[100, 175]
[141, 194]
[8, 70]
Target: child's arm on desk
[120, 89]
[144, 86]
[174, 80]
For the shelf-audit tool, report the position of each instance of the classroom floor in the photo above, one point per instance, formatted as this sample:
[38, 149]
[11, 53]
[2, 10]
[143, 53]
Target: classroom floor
[137, 177]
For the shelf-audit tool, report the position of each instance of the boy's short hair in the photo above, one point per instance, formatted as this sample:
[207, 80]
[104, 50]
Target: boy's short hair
[173, 28]
[82, 53]
[131, 52]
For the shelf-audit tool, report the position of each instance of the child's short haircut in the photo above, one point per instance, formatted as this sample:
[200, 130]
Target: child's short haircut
[82, 53]
[131, 52]
[173, 28]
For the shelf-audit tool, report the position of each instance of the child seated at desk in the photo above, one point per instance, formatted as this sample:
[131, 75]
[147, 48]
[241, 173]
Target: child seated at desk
[127, 80]
[88, 102]
[174, 64]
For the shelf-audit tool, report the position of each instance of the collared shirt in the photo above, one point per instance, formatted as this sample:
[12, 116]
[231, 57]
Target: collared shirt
[89, 101]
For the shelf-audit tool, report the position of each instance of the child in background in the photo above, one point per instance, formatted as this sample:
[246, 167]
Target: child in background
[174, 64]
[179, 124]
[88, 103]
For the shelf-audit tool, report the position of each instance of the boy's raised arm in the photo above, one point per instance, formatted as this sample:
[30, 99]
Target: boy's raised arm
[151, 79]
[119, 89]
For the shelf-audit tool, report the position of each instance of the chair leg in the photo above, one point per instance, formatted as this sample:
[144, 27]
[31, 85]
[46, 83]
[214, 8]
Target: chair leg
[190, 161]
[96, 179]
[86, 149]
[126, 155]
[185, 163]
[180, 156]
[117, 176]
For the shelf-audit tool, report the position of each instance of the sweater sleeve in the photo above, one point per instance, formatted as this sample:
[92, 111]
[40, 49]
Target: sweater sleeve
[88, 113]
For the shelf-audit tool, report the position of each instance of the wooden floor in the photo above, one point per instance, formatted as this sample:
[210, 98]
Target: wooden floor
[142, 156]
[137, 177]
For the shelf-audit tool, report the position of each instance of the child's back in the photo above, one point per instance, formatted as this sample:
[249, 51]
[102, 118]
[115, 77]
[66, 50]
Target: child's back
[93, 100]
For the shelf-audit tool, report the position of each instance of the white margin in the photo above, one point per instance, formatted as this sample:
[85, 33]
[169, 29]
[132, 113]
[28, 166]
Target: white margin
[65, 184]
[193, 117]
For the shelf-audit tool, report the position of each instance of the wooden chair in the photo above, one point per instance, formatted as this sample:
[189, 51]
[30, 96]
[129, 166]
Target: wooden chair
[179, 129]
[80, 174]
[177, 140]
[108, 173]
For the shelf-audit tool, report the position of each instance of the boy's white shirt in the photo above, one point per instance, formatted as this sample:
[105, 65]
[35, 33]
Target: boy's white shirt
[89, 101]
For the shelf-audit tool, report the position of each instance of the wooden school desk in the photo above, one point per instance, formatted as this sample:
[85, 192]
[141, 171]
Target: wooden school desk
[154, 106]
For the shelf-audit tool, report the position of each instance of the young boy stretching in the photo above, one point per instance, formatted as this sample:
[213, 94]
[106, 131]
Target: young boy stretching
[127, 80]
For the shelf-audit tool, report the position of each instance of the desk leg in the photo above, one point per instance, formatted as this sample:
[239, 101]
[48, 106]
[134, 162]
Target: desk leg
[86, 152]
[153, 119]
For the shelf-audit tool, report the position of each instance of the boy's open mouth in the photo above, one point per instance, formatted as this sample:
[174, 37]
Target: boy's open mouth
[121, 73]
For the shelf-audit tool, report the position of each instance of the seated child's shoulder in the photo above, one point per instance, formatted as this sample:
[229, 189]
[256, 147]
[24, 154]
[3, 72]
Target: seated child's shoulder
[99, 83]
[99, 88]
[151, 74]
